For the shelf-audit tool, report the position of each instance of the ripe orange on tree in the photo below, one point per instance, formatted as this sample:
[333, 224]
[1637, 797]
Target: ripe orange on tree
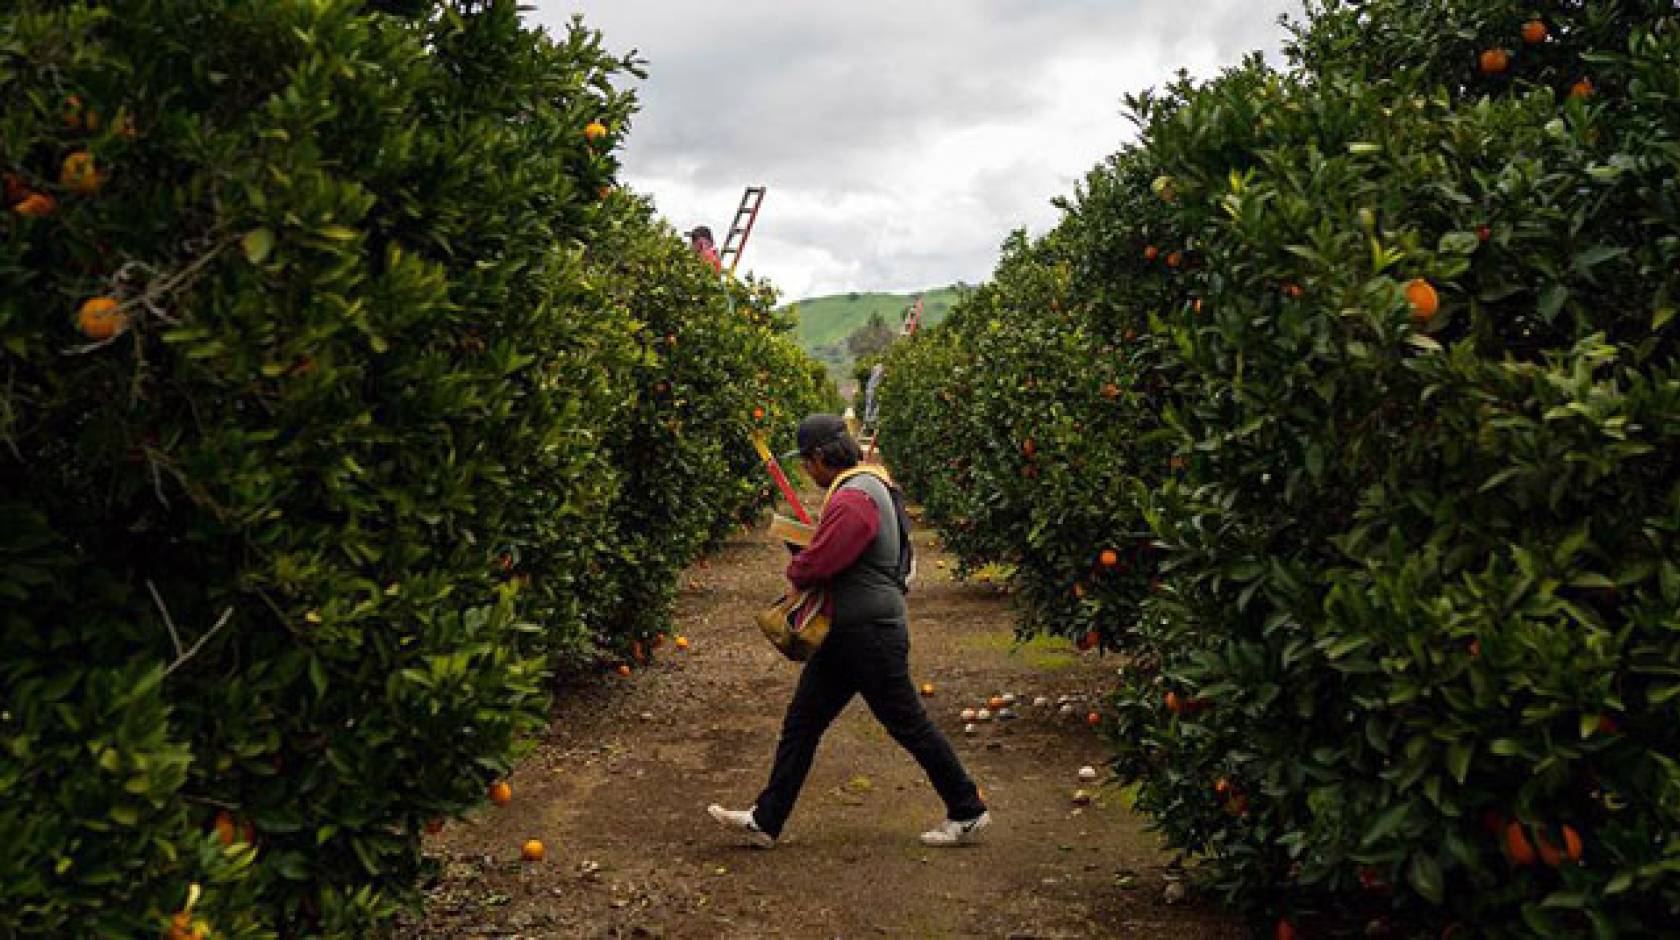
[758, 414]
[1534, 32]
[226, 831]
[501, 793]
[1109, 558]
[1150, 252]
[100, 318]
[1425, 302]
[1494, 61]
[594, 131]
[1028, 448]
[1517, 846]
[1110, 391]
[1582, 89]
[79, 175]
[1174, 259]
[1285, 930]
[35, 204]
[1174, 703]
[1093, 719]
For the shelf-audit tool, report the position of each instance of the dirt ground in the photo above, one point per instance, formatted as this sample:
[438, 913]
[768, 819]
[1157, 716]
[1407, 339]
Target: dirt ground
[617, 793]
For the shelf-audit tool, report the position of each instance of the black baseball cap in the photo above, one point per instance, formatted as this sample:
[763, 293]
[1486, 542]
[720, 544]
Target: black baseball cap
[817, 430]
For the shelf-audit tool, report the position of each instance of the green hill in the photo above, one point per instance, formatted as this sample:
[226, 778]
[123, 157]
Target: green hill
[825, 322]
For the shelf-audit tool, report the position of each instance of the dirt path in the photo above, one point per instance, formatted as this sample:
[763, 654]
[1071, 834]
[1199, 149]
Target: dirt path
[618, 790]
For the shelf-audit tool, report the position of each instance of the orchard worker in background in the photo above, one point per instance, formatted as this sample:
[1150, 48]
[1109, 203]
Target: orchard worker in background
[700, 239]
[857, 551]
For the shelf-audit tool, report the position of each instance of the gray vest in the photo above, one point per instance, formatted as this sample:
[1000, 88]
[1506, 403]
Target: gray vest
[868, 592]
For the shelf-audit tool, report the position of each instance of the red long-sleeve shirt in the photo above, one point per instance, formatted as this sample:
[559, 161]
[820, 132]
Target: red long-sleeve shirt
[848, 525]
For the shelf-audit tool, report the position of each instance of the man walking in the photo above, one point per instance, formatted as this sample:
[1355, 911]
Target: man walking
[856, 552]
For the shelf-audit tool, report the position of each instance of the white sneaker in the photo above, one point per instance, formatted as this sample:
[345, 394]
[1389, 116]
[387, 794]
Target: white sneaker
[951, 832]
[741, 820]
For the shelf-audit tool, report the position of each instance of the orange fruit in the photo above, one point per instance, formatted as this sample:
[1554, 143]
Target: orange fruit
[1425, 302]
[595, 130]
[1285, 930]
[72, 111]
[1494, 61]
[1222, 786]
[1581, 89]
[1475, 649]
[1109, 558]
[434, 826]
[79, 175]
[927, 688]
[1110, 391]
[500, 793]
[1174, 259]
[1078, 589]
[1292, 291]
[1090, 640]
[1174, 705]
[1571, 844]
[995, 702]
[1028, 448]
[100, 318]
[1534, 32]
[1150, 252]
[36, 204]
[624, 670]
[758, 414]
[1517, 845]
[1093, 719]
[531, 851]
[638, 651]
[1483, 233]
[225, 829]
[682, 642]
[1606, 724]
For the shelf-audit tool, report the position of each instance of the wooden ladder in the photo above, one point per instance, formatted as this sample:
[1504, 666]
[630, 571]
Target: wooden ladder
[739, 230]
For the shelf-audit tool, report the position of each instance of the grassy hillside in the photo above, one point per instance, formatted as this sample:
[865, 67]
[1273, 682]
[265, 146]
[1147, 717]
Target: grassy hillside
[825, 322]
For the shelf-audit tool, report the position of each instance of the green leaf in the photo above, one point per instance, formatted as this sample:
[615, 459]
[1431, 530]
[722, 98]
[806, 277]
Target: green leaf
[257, 243]
[1424, 875]
[1458, 759]
[339, 233]
[1661, 317]
[1387, 823]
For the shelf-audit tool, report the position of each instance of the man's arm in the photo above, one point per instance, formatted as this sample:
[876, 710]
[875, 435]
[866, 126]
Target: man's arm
[849, 524]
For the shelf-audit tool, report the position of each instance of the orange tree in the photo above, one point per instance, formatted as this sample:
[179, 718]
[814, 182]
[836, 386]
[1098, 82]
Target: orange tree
[1413, 661]
[313, 369]
[1021, 424]
[714, 365]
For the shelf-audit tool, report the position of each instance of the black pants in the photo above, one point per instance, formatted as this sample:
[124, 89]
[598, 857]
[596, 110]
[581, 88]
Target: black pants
[874, 660]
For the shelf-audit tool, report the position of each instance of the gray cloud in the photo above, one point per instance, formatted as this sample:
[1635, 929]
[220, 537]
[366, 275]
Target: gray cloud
[901, 141]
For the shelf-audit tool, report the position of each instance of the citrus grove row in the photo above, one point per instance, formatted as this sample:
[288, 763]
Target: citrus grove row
[1344, 407]
[346, 399]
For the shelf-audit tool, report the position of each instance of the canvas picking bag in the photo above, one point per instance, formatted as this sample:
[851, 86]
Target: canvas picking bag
[795, 623]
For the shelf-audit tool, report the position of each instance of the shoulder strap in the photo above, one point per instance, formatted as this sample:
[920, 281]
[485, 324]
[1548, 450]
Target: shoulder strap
[895, 497]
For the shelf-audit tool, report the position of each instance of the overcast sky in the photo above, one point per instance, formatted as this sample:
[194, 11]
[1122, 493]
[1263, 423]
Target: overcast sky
[900, 140]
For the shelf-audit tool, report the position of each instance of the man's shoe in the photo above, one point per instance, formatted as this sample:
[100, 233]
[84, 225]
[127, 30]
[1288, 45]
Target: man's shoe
[952, 832]
[742, 821]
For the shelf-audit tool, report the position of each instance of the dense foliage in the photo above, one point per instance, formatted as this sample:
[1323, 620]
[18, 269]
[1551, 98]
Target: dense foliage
[344, 395]
[1403, 417]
